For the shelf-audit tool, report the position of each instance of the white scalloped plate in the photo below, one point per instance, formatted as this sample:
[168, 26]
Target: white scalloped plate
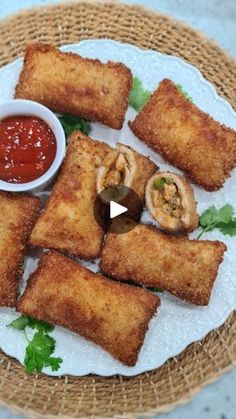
[177, 324]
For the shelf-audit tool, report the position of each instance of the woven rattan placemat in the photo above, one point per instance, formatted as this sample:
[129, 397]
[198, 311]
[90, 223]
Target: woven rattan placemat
[180, 378]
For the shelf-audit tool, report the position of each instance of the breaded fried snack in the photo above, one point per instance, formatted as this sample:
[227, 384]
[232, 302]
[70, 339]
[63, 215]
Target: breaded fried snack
[146, 256]
[18, 214]
[67, 223]
[114, 316]
[68, 83]
[187, 137]
[170, 200]
[127, 167]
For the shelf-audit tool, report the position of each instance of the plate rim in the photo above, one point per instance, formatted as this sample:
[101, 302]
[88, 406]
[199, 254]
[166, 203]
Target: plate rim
[216, 97]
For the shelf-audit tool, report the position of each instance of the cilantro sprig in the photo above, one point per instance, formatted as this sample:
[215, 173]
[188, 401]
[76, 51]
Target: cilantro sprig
[138, 95]
[40, 348]
[72, 123]
[222, 218]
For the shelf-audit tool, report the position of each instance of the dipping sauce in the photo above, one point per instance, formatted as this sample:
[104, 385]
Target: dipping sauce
[27, 148]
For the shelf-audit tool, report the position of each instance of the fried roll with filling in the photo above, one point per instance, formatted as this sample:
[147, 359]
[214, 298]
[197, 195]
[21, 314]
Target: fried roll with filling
[114, 316]
[170, 201]
[187, 137]
[68, 83]
[146, 256]
[127, 167]
[67, 223]
[18, 214]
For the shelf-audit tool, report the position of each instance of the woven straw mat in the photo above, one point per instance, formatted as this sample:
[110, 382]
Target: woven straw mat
[203, 362]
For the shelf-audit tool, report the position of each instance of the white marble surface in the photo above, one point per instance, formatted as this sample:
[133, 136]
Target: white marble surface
[217, 18]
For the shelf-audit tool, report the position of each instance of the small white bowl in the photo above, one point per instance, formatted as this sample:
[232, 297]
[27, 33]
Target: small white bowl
[28, 108]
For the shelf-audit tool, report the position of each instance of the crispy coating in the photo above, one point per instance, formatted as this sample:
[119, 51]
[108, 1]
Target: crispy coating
[18, 214]
[187, 137]
[68, 83]
[67, 223]
[113, 315]
[173, 206]
[136, 167]
[186, 268]
[144, 170]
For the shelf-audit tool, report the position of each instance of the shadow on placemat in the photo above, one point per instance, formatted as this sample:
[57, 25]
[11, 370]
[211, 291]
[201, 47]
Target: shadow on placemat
[180, 378]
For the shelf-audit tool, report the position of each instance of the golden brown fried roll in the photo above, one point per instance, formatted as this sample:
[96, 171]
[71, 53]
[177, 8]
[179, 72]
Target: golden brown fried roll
[18, 213]
[170, 201]
[125, 166]
[67, 223]
[68, 83]
[113, 315]
[187, 137]
[186, 268]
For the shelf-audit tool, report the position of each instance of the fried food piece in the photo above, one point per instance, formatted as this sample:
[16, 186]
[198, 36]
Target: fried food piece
[68, 83]
[170, 201]
[146, 256]
[127, 167]
[18, 214]
[113, 315]
[67, 223]
[187, 137]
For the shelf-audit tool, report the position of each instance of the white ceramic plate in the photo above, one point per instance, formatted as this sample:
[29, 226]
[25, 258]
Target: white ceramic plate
[177, 324]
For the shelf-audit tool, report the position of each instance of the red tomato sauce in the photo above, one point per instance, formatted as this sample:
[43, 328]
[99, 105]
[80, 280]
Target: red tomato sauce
[27, 148]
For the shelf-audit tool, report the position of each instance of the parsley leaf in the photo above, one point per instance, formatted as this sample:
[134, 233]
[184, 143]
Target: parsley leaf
[20, 323]
[40, 348]
[138, 96]
[23, 321]
[38, 354]
[40, 325]
[223, 219]
[72, 123]
[208, 217]
[186, 94]
[225, 214]
[53, 363]
[228, 229]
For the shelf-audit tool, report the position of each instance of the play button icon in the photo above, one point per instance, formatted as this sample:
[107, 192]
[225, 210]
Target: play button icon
[117, 209]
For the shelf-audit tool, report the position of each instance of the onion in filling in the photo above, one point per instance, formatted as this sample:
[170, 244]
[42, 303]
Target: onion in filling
[119, 167]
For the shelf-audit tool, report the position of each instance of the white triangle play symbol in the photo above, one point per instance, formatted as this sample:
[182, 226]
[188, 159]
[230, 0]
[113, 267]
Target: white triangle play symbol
[116, 209]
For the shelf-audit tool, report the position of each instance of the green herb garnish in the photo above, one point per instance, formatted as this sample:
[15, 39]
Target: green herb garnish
[223, 219]
[72, 123]
[23, 321]
[159, 183]
[40, 348]
[138, 96]
[186, 94]
[20, 323]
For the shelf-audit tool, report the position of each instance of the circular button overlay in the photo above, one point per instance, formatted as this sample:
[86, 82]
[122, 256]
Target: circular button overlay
[117, 209]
